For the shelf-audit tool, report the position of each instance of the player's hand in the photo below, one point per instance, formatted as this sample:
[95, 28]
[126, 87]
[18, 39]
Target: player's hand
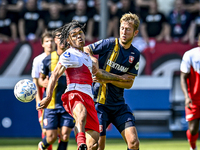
[188, 102]
[43, 104]
[99, 80]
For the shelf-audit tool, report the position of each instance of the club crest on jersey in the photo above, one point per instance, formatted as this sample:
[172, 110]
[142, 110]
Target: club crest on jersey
[66, 54]
[100, 128]
[45, 121]
[131, 58]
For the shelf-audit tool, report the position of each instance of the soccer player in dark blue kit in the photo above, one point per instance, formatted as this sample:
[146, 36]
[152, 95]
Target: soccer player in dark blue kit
[117, 56]
[55, 116]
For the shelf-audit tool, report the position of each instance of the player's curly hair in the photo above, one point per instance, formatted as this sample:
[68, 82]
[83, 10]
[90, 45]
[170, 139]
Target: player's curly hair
[67, 28]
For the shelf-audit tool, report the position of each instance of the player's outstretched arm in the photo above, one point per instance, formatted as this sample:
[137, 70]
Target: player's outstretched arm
[58, 71]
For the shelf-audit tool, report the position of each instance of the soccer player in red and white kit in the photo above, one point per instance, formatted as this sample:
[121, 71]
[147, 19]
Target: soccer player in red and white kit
[78, 97]
[49, 46]
[190, 84]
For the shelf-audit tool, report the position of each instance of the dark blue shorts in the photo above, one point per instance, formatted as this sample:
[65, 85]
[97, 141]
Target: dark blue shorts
[54, 118]
[120, 116]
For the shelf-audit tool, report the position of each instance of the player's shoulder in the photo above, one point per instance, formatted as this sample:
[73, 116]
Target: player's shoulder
[107, 41]
[39, 57]
[135, 50]
[68, 54]
[192, 52]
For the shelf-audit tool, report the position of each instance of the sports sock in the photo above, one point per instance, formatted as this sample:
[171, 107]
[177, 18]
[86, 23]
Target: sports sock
[44, 143]
[62, 145]
[50, 146]
[80, 138]
[192, 139]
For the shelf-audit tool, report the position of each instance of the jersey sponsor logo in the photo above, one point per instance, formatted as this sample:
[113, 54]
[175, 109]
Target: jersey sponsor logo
[131, 58]
[67, 54]
[137, 66]
[117, 66]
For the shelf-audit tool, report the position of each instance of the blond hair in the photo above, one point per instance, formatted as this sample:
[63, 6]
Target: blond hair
[131, 18]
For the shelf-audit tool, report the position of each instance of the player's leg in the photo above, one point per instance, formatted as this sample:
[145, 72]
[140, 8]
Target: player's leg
[50, 138]
[103, 117]
[193, 132]
[124, 121]
[67, 124]
[50, 124]
[130, 136]
[192, 116]
[64, 137]
[40, 118]
[79, 114]
[92, 139]
[102, 142]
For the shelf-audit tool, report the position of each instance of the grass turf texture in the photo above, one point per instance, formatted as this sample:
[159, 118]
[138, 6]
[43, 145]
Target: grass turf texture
[111, 144]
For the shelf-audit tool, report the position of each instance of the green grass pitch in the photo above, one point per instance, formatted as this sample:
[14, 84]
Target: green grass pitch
[111, 144]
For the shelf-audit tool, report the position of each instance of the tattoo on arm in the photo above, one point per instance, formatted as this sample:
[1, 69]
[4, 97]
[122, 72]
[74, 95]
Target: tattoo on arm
[109, 76]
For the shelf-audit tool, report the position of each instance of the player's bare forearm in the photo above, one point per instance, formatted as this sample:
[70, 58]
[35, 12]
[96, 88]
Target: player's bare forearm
[123, 84]
[58, 71]
[104, 75]
[183, 78]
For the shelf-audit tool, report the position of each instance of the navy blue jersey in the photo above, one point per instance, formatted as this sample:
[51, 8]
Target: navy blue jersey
[49, 63]
[114, 59]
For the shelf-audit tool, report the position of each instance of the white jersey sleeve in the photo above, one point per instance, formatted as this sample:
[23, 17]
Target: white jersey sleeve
[69, 60]
[36, 67]
[186, 63]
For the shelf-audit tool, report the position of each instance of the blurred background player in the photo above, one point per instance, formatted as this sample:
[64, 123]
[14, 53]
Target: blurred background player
[117, 56]
[49, 46]
[55, 116]
[190, 84]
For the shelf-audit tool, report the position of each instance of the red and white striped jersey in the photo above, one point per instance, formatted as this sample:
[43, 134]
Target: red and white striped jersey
[78, 66]
[191, 64]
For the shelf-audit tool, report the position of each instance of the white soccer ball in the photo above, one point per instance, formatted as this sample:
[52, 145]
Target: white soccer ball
[25, 90]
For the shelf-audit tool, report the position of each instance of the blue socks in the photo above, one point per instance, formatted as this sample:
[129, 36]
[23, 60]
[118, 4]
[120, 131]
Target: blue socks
[62, 145]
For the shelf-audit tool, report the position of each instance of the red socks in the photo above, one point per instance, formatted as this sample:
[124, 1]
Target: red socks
[192, 139]
[80, 138]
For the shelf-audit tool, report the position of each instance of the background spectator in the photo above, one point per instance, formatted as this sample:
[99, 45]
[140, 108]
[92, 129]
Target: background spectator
[54, 18]
[8, 28]
[82, 15]
[154, 24]
[124, 6]
[45, 4]
[30, 23]
[179, 21]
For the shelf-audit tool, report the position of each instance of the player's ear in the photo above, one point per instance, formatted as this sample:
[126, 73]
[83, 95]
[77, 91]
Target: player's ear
[136, 32]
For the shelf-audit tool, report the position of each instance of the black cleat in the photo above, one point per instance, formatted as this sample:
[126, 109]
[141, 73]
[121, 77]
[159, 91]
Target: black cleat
[82, 147]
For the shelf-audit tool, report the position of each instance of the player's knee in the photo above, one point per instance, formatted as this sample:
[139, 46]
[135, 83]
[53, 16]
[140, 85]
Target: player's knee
[52, 138]
[93, 146]
[64, 137]
[134, 144]
[193, 130]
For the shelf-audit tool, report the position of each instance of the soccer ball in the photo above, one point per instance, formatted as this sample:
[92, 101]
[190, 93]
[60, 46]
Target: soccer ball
[25, 90]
